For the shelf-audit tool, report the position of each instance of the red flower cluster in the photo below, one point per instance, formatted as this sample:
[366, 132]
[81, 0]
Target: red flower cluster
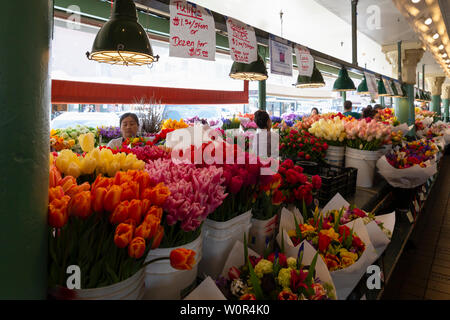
[296, 185]
[302, 145]
[162, 135]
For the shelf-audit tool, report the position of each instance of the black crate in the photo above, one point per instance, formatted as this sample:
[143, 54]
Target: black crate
[336, 180]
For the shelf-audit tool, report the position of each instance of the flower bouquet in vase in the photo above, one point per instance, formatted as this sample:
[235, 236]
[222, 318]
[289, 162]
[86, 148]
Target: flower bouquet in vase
[102, 232]
[194, 193]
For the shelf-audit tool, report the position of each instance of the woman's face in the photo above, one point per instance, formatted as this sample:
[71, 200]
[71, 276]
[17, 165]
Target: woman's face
[128, 127]
[314, 111]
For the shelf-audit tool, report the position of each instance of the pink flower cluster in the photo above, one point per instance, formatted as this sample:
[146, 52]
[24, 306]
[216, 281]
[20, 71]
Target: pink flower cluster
[367, 134]
[149, 153]
[194, 192]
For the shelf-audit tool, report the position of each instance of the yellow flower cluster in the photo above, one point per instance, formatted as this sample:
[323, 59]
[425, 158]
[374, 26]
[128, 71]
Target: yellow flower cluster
[96, 161]
[347, 258]
[174, 124]
[284, 277]
[330, 130]
[263, 267]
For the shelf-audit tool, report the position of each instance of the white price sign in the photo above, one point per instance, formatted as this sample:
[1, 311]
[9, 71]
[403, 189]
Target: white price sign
[372, 84]
[242, 41]
[192, 31]
[388, 87]
[305, 61]
[399, 88]
[280, 56]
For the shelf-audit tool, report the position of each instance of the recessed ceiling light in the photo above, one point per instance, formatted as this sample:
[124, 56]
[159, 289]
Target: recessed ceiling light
[415, 1]
[444, 55]
[435, 36]
[428, 21]
[448, 60]
[441, 47]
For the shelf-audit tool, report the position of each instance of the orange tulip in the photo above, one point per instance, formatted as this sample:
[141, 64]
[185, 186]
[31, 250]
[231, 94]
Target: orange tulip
[155, 211]
[55, 177]
[135, 210]
[112, 198]
[130, 191]
[101, 182]
[146, 194]
[148, 228]
[182, 259]
[57, 212]
[143, 179]
[136, 248]
[123, 235]
[97, 198]
[120, 213]
[80, 205]
[159, 194]
[121, 177]
[67, 183]
[55, 193]
[158, 237]
[74, 189]
[145, 206]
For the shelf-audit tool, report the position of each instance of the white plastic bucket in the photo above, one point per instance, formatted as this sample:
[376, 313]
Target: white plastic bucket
[162, 282]
[365, 161]
[262, 232]
[129, 289]
[218, 240]
[335, 155]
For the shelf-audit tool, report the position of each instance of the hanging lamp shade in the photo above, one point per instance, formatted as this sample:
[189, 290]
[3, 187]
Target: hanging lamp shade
[315, 81]
[362, 88]
[423, 96]
[122, 40]
[417, 97]
[382, 89]
[428, 95]
[255, 71]
[344, 82]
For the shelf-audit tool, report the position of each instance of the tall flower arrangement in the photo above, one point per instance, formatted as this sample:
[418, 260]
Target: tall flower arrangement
[367, 134]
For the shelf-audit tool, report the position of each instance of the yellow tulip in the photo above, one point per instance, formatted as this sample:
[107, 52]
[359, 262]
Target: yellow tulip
[88, 165]
[87, 142]
[73, 170]
[112, 168]
[62, 163]
[106, 155]
[95, 154]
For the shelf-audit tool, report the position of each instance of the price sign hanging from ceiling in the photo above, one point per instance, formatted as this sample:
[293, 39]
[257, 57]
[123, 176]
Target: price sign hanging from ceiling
[192, 31]
[242, 41]
[305, 61]
[280, 56]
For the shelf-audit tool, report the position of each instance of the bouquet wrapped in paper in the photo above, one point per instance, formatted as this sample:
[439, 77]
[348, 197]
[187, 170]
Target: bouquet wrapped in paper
[346, 249]
[409, 166]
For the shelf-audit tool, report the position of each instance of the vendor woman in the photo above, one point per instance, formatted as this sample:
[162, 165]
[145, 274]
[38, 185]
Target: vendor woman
[129, 125]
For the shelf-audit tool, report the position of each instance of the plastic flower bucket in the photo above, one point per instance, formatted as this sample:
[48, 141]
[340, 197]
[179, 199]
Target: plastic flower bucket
[129, 289]
[218, 240]
[162, 282]
[262, 232]
[365, 161]
[335, 155]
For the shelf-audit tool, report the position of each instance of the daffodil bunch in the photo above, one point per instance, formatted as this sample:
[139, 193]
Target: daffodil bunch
[331, 130]
[174, 124]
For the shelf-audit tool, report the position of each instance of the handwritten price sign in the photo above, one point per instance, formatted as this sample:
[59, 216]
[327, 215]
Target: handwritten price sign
[305, 61]
[242, 41]
[192, 31]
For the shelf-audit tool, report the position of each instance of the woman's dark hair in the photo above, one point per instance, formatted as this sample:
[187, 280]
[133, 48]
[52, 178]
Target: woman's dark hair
[368, 112]
[261, 118]
[317, 110]
[129, 114]
[378, 107]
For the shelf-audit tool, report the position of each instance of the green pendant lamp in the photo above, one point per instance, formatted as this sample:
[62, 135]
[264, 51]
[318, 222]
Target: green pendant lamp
[362, 88]
[418, 97]
[382, 89]
[315, 81]
[122, 40]
[344, 82]
[423, 96]
[255, 71]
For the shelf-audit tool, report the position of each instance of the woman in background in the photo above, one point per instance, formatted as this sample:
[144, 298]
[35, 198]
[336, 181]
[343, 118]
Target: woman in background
[129, 125]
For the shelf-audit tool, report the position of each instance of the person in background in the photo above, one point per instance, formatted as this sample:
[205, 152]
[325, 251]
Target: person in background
[129, 125]
[348, 110]
[314, 111]
[264, 138]
[368, 112]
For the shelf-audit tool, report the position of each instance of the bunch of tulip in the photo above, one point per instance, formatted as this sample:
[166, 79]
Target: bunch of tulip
[424, 113]
[268, 198]
[413, 153]
[331, 130]
[275, 277]
[174, 124]
[106, 228]
[96, 162]
[387, 115]
[250, 116]
[338, 245]
[73, 133]
[228, 124]
[302, 145]
[194, 194]
[307, 122]
[249, 125]
[367, 134]
[297, 187]
[160, 138]
[397, 137]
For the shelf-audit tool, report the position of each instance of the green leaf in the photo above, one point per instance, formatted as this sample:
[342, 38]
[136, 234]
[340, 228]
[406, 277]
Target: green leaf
[305, 212]
[298, 232]
[282, 240]
[311, 270]
[255, 283]
[320, 222]
[245, 249]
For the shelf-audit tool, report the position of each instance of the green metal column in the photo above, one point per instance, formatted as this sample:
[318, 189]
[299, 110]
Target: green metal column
[344, 98]
[436, 104]
[262, 94]
[410, 106]
[382, 102]
[25, 30]
[445, 102]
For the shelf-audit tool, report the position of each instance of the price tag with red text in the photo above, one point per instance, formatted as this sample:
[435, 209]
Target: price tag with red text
[305, 61]
[242, 41]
